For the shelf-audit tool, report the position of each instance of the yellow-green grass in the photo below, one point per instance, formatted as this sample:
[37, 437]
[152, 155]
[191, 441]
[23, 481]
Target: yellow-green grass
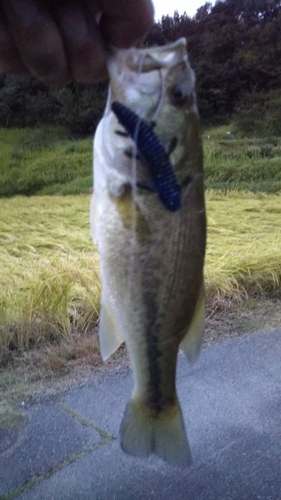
[49, 270]
[244, 244]
[49, 282]
[251, 164]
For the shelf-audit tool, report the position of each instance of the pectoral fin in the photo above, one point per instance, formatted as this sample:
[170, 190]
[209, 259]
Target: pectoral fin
[109, 332]
[192, 341]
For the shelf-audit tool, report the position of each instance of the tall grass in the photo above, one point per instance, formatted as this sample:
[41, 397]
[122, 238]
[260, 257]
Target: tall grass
[44, 161]
[48, 161]
[49, 269]
[244, 244]
[244, 164]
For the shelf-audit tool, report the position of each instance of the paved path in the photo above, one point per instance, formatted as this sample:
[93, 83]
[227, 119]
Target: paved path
[231, 400]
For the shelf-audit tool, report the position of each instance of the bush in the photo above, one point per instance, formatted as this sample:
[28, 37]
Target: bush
[259, 114]
[26, 102]
[44, 160]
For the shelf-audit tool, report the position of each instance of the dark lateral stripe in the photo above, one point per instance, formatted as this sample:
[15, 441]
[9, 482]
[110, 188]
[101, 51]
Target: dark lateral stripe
[154, 394]
[154, 155]
[155, 399]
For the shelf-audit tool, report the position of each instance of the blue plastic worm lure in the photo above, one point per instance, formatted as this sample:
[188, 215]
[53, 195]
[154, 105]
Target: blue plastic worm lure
[153, 154]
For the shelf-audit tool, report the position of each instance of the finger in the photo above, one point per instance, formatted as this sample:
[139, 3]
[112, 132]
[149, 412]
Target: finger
[83, 43]
[125, 22]
[10, 61]
[38, 41]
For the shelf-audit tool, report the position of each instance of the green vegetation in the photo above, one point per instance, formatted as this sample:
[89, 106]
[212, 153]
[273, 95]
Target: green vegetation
[50, 284]
[234, 47]
[244, 245]
[259, 114]
[44, 161]
[26, 102]
[244, 164]
[49, 269]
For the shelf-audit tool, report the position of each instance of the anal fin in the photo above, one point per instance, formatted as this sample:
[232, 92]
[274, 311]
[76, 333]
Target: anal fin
[192, 341]
[110, 334]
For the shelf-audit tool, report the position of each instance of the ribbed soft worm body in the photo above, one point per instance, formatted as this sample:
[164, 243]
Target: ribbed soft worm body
[153, 154]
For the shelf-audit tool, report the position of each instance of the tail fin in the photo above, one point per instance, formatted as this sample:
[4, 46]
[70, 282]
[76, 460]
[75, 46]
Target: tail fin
[143, 433]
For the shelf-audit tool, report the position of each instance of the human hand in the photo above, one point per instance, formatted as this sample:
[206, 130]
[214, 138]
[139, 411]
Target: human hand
[58, 41]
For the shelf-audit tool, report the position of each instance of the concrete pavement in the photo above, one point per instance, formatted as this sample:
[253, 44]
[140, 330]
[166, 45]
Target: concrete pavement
[231, 401]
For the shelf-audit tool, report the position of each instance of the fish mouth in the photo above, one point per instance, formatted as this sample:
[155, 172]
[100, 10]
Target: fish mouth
[154, 58]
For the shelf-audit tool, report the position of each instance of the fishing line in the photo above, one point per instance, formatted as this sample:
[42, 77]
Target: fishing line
[135, 138]
[133, 241]
[153, 119]
[172, 229]
[136, 132]
[160, 102]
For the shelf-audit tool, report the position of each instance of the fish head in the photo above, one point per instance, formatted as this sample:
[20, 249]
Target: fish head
[140, 77]
[157, 84]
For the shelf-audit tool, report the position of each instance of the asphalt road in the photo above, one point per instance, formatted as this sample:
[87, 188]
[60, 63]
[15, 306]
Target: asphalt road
[231, 400]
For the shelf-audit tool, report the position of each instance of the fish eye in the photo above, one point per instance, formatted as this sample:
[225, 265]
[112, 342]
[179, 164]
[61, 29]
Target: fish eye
[177, 92]
[180, 94]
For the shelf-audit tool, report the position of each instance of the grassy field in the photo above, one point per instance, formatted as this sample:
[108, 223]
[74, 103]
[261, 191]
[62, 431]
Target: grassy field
[50, 287]
[250, 164]
[44, 161]
[49, 270]
[48, 161]
[244, 245]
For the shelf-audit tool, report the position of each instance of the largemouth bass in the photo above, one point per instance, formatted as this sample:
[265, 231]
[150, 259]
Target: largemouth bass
[148, 219]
